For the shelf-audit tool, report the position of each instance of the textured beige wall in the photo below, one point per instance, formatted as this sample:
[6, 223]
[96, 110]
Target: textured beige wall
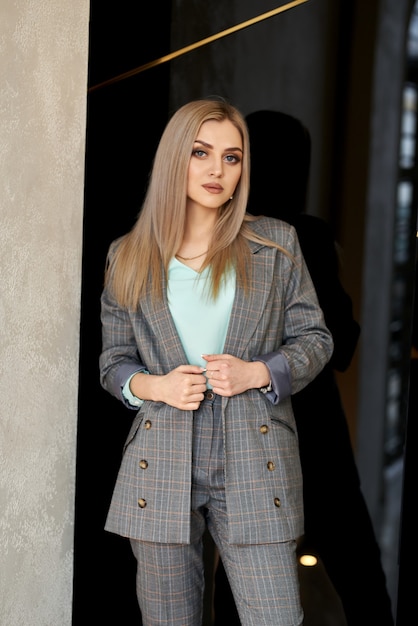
[43, 47]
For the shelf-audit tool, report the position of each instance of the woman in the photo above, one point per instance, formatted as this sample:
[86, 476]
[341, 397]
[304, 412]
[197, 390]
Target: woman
[210, 323]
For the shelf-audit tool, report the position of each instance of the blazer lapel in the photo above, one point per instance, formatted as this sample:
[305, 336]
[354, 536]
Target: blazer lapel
[160, 320]
[248, 308]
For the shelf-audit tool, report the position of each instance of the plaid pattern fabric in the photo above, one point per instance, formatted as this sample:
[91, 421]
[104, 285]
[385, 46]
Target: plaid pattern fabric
[263, 476]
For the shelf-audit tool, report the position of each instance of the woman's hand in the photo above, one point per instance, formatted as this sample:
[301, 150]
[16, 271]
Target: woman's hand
[228, 375]
[182, 388]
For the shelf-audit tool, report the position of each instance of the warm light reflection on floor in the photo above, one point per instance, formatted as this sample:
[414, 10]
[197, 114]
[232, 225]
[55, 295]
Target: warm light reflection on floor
[308, 560]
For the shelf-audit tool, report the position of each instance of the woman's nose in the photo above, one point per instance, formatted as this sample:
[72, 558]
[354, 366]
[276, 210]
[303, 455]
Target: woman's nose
[216, 168]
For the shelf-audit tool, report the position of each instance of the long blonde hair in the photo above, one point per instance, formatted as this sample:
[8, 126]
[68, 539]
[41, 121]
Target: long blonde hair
[140, 259]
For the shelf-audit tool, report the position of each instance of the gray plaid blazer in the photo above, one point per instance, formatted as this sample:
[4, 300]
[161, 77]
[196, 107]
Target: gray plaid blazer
[281, 313]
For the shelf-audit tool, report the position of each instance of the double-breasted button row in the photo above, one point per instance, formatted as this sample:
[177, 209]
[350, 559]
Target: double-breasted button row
[271, 465]
[143, 464]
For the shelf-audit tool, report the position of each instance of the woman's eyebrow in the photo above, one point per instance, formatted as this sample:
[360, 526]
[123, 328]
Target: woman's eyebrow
[208, 145]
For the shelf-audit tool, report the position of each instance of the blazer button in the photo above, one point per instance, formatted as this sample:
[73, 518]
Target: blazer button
[142, 503]
[143, 464]
[147, 424]
[277, 502]
[264, 429]
[271, 466]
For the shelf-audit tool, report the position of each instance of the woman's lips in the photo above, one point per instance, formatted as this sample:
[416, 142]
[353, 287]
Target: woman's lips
[213, 188]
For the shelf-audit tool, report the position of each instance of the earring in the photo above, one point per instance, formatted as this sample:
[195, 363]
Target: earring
[231, 197]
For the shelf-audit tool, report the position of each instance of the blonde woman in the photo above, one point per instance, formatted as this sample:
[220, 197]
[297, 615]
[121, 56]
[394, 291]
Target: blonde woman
[210, 322]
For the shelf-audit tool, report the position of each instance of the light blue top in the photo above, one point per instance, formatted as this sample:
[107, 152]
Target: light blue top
[201, 321]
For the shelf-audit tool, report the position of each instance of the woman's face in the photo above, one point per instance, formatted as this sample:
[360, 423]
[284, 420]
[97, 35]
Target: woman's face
[215, 164]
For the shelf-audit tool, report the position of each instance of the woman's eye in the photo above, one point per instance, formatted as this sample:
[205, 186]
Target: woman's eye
[232, 158]
[199, 153]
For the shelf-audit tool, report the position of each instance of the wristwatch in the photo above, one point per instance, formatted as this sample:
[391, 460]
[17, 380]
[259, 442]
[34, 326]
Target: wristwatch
[266, 389]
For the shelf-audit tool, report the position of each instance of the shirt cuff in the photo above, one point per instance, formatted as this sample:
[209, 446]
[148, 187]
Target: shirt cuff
[128, 395]
[280, 376]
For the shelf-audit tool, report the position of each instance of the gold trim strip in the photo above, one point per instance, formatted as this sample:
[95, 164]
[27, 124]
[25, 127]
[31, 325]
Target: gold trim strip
[198, 44]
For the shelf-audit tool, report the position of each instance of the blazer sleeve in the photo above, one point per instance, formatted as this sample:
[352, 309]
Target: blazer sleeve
[302, 336]
[119, 358]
